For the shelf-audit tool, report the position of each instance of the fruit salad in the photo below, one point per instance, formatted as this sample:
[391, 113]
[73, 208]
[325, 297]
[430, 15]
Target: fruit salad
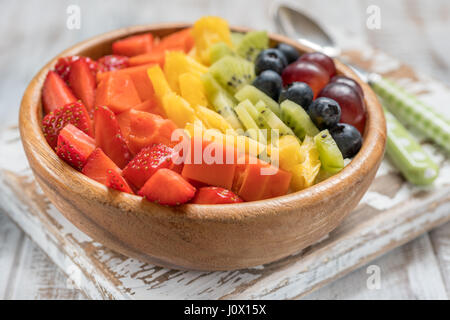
[204, 115]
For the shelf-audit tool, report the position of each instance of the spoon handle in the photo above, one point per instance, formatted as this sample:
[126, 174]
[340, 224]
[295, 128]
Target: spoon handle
[407, 154]
[413, 112]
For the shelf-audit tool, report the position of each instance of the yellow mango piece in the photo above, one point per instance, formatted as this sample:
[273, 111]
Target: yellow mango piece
[178, 110]
[174, 65]
[290, 152]
[193, 54]
[207, 31]
[191, 126]
[159, 81]
[192, 89]
[177, 63]
[213, 120]
[304, 174]
[195, 66]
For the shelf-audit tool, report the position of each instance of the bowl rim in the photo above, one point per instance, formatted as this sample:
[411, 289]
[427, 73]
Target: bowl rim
[369, 155]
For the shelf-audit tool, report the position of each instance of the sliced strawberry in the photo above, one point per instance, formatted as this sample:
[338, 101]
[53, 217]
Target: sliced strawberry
[102, 169]
[147, 129]
[74, 146]
[215, 195]
[109, 137]
[98, 165]
[83, 83]
[148, 161]
[55, 93]
[113, 62]
[74, 113]
[117, 182]
[134, 45]
[167, 187]
[63, 66]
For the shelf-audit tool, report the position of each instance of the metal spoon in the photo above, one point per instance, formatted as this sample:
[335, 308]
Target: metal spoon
[406, 153]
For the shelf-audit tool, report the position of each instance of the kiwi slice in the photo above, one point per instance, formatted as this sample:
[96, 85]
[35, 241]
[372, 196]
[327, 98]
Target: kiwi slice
[254, 95]
[212, 87]
[329, 154]
[219, 50]
[253, 130]
[252, 44]
[225, 107]
[232, 73]
[236, 38]
[296, 118]
[271, 119]
[222, 102]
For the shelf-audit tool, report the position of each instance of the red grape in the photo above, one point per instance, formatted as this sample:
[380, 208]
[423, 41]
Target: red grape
[351, 103]
[322, 60]
[311, 73]
[350, 82]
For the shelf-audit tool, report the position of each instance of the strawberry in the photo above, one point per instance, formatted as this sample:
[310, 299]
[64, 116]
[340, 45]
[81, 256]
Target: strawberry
[103, 170]
[74, 146]
[109, 137]
[113, 62]
[167, 187]
[74, 113]
[117, 182]
[98, 165]
[83, 83]
[55, 93]
[215, 195]
[63, 66]
[148, 161]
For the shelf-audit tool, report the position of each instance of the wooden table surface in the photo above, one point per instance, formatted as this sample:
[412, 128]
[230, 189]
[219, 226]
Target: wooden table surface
[415, 31]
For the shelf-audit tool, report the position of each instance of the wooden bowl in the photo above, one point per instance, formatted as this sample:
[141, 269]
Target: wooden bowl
[202, 237]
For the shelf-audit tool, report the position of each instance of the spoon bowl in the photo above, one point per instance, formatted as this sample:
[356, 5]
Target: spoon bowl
[297, 25]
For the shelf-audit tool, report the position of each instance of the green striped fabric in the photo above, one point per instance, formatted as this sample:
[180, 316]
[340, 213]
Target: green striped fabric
[407, 154]
[413, 112]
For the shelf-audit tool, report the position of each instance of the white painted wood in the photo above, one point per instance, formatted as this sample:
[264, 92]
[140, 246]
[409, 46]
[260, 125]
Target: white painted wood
[440, 240]
[37, 277]
[32, 39]
[408, 272]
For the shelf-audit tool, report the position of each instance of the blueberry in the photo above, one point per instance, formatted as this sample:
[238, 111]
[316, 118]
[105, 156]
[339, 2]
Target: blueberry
[270, 59]
[324, 112]
[347, 138]
[298, 92]
[270, 83]
[289, 52]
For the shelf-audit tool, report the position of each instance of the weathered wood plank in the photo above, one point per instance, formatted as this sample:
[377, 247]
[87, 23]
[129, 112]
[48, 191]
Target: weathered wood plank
[37, 277]
[11, 242]
[440, 240]
[408, 272]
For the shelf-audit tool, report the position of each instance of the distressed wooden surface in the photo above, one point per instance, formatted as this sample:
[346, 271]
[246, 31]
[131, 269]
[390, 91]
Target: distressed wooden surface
[415, 31]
